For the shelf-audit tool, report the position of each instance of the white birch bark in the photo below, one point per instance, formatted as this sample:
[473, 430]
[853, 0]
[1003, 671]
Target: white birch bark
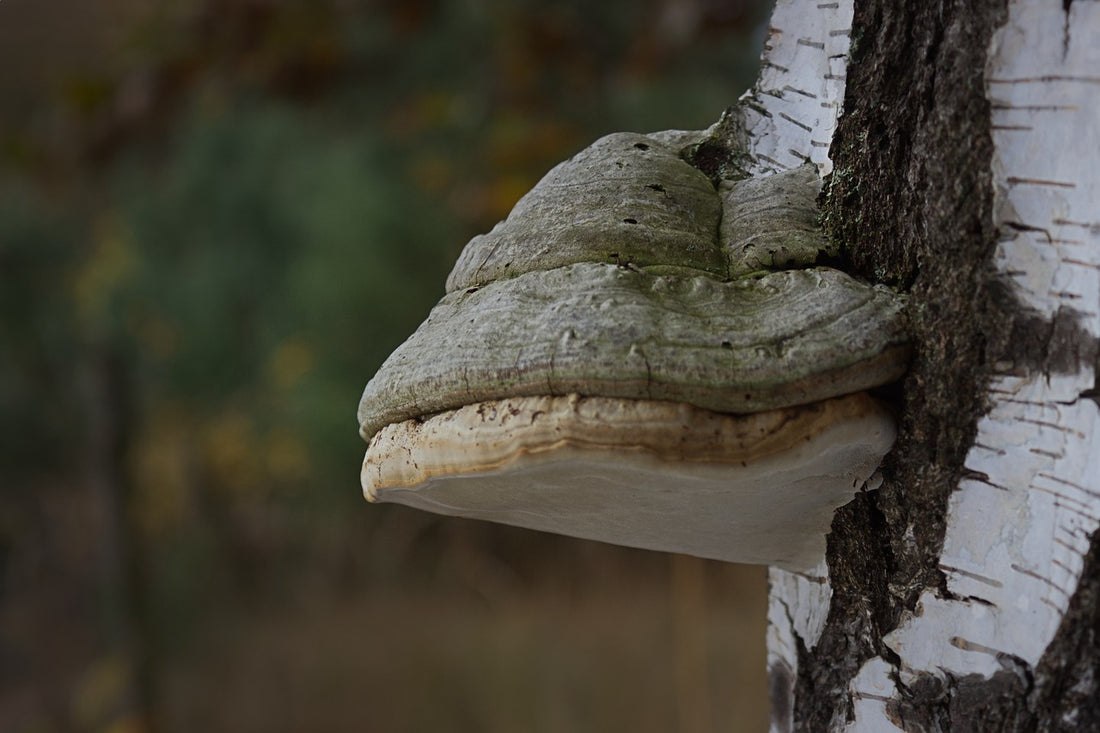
[1017, 533]
[1017, 529]
[797, 99]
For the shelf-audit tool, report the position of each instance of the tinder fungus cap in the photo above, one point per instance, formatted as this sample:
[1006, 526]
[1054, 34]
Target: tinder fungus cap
[640, 356]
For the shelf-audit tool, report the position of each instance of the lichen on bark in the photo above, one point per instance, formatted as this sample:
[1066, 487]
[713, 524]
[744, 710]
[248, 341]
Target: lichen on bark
[909, 201]
[912, 202]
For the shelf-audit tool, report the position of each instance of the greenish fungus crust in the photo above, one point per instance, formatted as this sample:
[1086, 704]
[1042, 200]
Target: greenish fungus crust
[626, 273]
[627, 199]
[752, 344]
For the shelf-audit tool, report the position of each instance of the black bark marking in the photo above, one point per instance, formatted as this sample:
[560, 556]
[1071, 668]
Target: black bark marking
[801, 92]
[795, 122]
[1067, 678]
[993, 582]
[780, 692]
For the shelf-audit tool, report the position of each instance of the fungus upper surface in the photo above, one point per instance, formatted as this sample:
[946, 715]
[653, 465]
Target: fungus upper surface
[787, 338]
[626, 273]
[626, 199]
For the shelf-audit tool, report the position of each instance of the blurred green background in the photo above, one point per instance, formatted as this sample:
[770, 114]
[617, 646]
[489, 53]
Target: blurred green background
[217, 218]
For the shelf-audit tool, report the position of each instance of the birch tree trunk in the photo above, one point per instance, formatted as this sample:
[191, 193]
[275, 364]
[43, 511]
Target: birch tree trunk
[961, 141]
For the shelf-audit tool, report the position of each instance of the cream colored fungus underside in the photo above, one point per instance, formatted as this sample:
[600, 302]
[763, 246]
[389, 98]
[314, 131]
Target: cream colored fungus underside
[667, 476]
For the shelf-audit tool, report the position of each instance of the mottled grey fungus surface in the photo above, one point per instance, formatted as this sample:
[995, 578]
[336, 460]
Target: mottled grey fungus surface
[638, 357]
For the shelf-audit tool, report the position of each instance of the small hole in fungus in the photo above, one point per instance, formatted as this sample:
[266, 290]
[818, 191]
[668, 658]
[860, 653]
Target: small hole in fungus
[630, 221]
[641, 146]
[727, 345]
[471, 290]
[656, 187]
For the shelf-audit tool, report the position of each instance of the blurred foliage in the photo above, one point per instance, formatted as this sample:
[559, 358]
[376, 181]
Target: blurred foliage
[216, 220]
[36, 259]
[277, 262]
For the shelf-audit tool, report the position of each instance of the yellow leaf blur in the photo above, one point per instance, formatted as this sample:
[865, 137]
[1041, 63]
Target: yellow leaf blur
[289, 363]
[231, 453]
[162, 466]
[108, 267]
[287, 457]
[101, 689]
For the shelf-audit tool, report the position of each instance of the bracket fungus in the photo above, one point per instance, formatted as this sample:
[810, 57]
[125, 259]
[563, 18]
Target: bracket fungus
[641, 355]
